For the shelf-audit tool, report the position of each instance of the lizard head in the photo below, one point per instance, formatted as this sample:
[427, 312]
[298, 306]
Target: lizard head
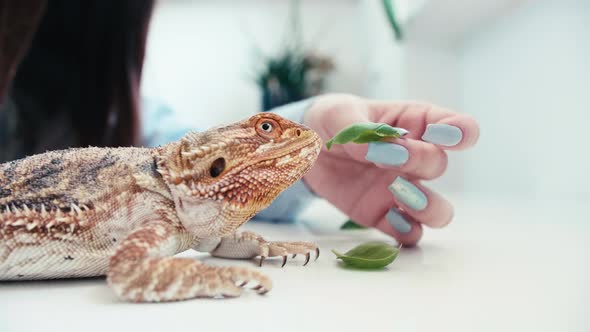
[221, 177]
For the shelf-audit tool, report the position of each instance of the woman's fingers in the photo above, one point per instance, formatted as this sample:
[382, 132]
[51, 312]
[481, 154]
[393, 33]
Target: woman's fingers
[429, 123]
[415, 158]
[400, 208]
[418, 202]
[420, 153]
[397, 205]
[421, 203]
[400, 226]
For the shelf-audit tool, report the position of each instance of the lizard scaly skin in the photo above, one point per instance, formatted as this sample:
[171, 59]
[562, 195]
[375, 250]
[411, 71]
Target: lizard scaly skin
[124, 212]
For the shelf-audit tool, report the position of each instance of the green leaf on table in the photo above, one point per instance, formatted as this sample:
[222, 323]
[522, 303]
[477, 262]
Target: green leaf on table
[364, 133]
[348, 225]
[369, 255]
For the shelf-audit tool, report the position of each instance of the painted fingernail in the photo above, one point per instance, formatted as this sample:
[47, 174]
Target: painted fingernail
[401, 131]
[408, 194]
[442, 134]
[387, 153]
[397, 221]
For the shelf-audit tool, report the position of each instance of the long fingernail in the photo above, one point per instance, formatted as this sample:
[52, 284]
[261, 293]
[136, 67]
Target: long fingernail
[387, 153]
[397, 221]
[408, 194]
[402, 132]
[442, 134]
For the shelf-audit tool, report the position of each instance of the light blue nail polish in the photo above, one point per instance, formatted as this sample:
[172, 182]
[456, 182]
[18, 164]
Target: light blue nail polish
[387, 153]
[408, 194]
[442, 134]
[397, 221]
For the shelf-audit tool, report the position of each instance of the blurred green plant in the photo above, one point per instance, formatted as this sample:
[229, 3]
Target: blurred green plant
[390, 12]
[295, 73]
[292, 76]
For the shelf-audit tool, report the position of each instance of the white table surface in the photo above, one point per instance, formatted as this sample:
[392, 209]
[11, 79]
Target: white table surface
[503, 265]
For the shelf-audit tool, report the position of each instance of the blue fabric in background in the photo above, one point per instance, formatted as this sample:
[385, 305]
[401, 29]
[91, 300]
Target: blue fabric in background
[161, 126]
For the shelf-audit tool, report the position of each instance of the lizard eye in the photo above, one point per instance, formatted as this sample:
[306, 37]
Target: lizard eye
[268, 128]
[217, 167]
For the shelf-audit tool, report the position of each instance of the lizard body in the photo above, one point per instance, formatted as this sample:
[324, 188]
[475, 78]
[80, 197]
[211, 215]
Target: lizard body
[124, 212]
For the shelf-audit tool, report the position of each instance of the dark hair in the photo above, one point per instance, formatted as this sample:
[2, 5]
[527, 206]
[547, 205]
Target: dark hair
[85, 59]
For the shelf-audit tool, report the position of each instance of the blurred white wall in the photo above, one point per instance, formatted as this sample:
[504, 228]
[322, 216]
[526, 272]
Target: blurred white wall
[526, 77]
[520, 67]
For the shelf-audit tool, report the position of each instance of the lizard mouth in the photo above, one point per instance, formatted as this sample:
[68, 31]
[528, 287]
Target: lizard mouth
[308, 148]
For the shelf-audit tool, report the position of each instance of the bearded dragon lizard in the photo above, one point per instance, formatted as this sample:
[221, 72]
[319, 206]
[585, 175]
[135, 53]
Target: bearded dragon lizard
[124, 212]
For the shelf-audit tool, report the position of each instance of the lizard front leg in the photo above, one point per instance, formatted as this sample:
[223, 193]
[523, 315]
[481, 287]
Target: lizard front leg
[140, 271]
[249, 245]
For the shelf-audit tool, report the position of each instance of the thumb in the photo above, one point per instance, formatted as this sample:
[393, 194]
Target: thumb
[330, 114]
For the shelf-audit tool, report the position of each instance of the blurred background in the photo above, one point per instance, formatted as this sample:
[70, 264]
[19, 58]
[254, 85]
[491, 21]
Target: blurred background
[520, 67]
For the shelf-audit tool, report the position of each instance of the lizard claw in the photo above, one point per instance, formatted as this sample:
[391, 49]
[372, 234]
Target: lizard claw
[260, 290]
[246, 276]
[286, 250]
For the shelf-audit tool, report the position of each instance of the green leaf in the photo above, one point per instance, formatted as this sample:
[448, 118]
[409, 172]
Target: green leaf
[364, 133]
[351, 225]
[370, 255]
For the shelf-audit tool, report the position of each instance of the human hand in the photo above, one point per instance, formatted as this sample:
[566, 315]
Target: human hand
[378, 184]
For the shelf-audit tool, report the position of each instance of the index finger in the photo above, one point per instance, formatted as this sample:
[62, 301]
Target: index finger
[430, 123]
